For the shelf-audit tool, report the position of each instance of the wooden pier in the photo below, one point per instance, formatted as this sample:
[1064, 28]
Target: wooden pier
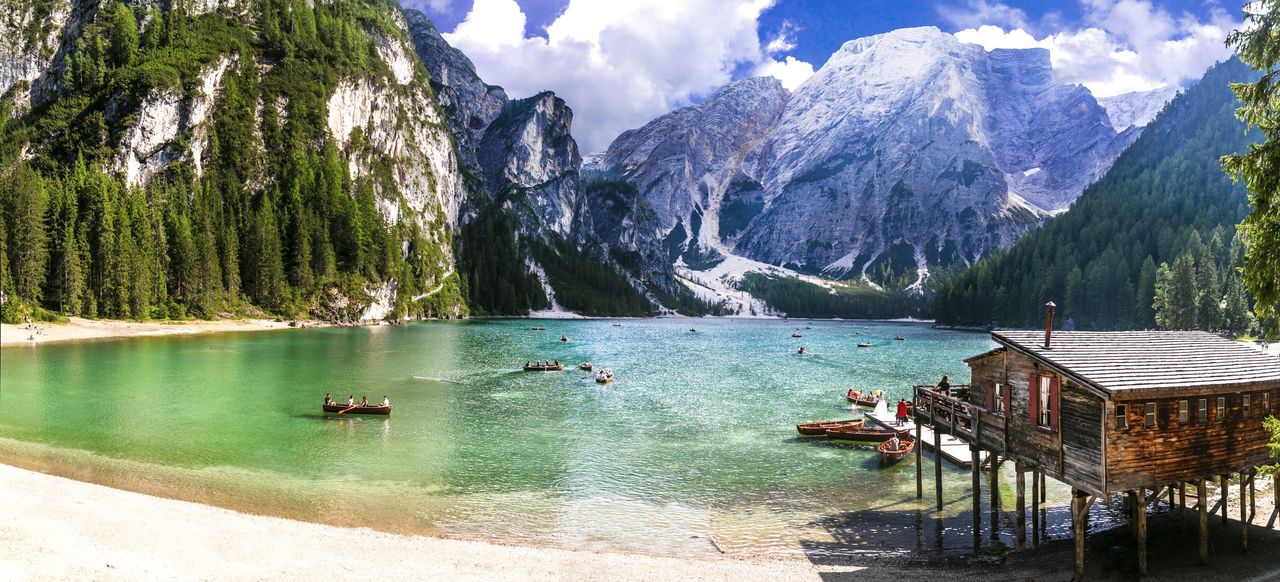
[953, 449]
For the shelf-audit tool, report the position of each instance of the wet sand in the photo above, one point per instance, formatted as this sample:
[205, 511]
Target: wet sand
[64, 529]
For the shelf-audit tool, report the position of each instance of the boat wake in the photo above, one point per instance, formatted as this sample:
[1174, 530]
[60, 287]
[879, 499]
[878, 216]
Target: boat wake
[432, 379]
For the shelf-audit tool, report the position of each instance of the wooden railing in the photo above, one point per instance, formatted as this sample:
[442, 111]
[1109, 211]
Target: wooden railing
[949, 412]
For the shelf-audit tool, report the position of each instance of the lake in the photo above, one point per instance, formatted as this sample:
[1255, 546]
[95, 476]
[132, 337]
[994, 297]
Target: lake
[691, 450]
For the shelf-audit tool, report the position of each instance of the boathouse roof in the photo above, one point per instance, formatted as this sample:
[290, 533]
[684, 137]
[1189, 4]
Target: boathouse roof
[1147, 361]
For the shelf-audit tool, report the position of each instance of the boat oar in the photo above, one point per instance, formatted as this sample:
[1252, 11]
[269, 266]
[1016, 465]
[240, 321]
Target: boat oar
[348, 408]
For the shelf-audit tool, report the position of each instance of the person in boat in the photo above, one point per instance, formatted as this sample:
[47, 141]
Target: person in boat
[351, 400]
[894, 442]
[328, 399]
[556, 363]
[385, 401]
[902, 412]
[364, 401]
[526, 363]
[801, 352]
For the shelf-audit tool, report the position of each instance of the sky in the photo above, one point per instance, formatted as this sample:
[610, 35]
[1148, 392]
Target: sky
[621, 63]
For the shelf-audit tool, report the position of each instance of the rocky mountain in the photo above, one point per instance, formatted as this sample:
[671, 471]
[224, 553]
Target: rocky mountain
[1136, 109]
[293, 156]
[522, 156]
[905, 150]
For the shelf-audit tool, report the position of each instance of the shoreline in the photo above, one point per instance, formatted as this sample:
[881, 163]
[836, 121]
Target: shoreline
[80, 329]
[72, 530]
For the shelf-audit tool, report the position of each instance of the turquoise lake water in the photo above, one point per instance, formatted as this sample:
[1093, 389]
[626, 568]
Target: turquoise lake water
[691, 450]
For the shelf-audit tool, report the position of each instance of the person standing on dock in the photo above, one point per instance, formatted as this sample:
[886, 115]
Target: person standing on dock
[902, 412]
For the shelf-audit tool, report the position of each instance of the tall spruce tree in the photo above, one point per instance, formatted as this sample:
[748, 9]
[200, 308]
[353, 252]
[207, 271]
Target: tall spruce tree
[1258, 45]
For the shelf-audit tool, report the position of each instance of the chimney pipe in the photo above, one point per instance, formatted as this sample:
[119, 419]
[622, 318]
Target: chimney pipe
[1048, 324]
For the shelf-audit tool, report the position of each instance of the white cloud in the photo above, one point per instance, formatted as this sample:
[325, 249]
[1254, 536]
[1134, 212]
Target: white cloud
[1126, 45]
[621, 63]
[976, 13]
[790, 71]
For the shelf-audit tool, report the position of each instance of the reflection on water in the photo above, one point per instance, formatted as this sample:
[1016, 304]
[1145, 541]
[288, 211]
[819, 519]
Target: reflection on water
[691, 450]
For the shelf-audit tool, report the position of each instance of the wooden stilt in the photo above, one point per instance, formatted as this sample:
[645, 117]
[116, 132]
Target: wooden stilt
[1223, 488]
[1253, 495]
[1171, 497]
[1042, 510]
[1035, 508]
[1080, 502]
[1142, 532]
[937, 465]
[976, 470]
[1020, 526]
[1244, 517]
[1202, 495]
[1131, 505]
[994, 490]
[919, 463]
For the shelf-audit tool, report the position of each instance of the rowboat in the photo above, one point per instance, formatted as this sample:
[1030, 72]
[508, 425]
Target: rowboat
[861, 433]
[819, 427]
[864, 345]
[889, 455]
[796, 335]
[586, 366]
[544, 368]
[606, 380]
[900, 338]
[344, 409]
[538, 328]
[862, 400]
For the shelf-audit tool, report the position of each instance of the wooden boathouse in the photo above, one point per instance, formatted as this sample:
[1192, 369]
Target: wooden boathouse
[1137, 413]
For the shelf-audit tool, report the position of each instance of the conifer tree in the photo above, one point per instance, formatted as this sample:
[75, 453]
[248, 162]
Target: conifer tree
[124, 35]
[24, 200]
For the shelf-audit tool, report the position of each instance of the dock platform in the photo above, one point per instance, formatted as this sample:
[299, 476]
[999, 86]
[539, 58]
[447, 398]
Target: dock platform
[953, 449]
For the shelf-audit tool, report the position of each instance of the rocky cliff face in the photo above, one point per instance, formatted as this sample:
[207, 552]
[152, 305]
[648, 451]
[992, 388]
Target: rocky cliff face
[384, 120]
[521, 154]
[1136, 109]
[701, 164]
[907, 148]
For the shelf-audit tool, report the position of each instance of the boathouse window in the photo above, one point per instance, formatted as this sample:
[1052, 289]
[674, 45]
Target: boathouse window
[997, 397]
[1222, 408]
[1202, 410]
[1183, 413]
[1045, 402]
[1266, 406]
[1149, 415]
[1122, 421]
[1245, 406]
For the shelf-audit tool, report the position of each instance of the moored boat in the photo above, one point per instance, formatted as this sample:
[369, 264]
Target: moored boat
[819, 427]
[344, 409]
[861, 433]
[544, 367]
[890, 455]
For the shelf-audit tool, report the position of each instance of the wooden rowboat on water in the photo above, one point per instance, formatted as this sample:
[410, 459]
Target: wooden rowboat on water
[344, 409]
[889, 455]
[862, 399]
[585, 366]
[864, 345]
[819, 427]
[870, 435]
[544, 368]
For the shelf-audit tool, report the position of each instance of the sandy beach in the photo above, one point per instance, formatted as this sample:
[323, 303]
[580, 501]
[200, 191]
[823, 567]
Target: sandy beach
[69, 530]
[79, 329]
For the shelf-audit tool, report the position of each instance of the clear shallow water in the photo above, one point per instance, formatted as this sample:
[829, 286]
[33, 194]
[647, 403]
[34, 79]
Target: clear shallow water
[692, 448]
